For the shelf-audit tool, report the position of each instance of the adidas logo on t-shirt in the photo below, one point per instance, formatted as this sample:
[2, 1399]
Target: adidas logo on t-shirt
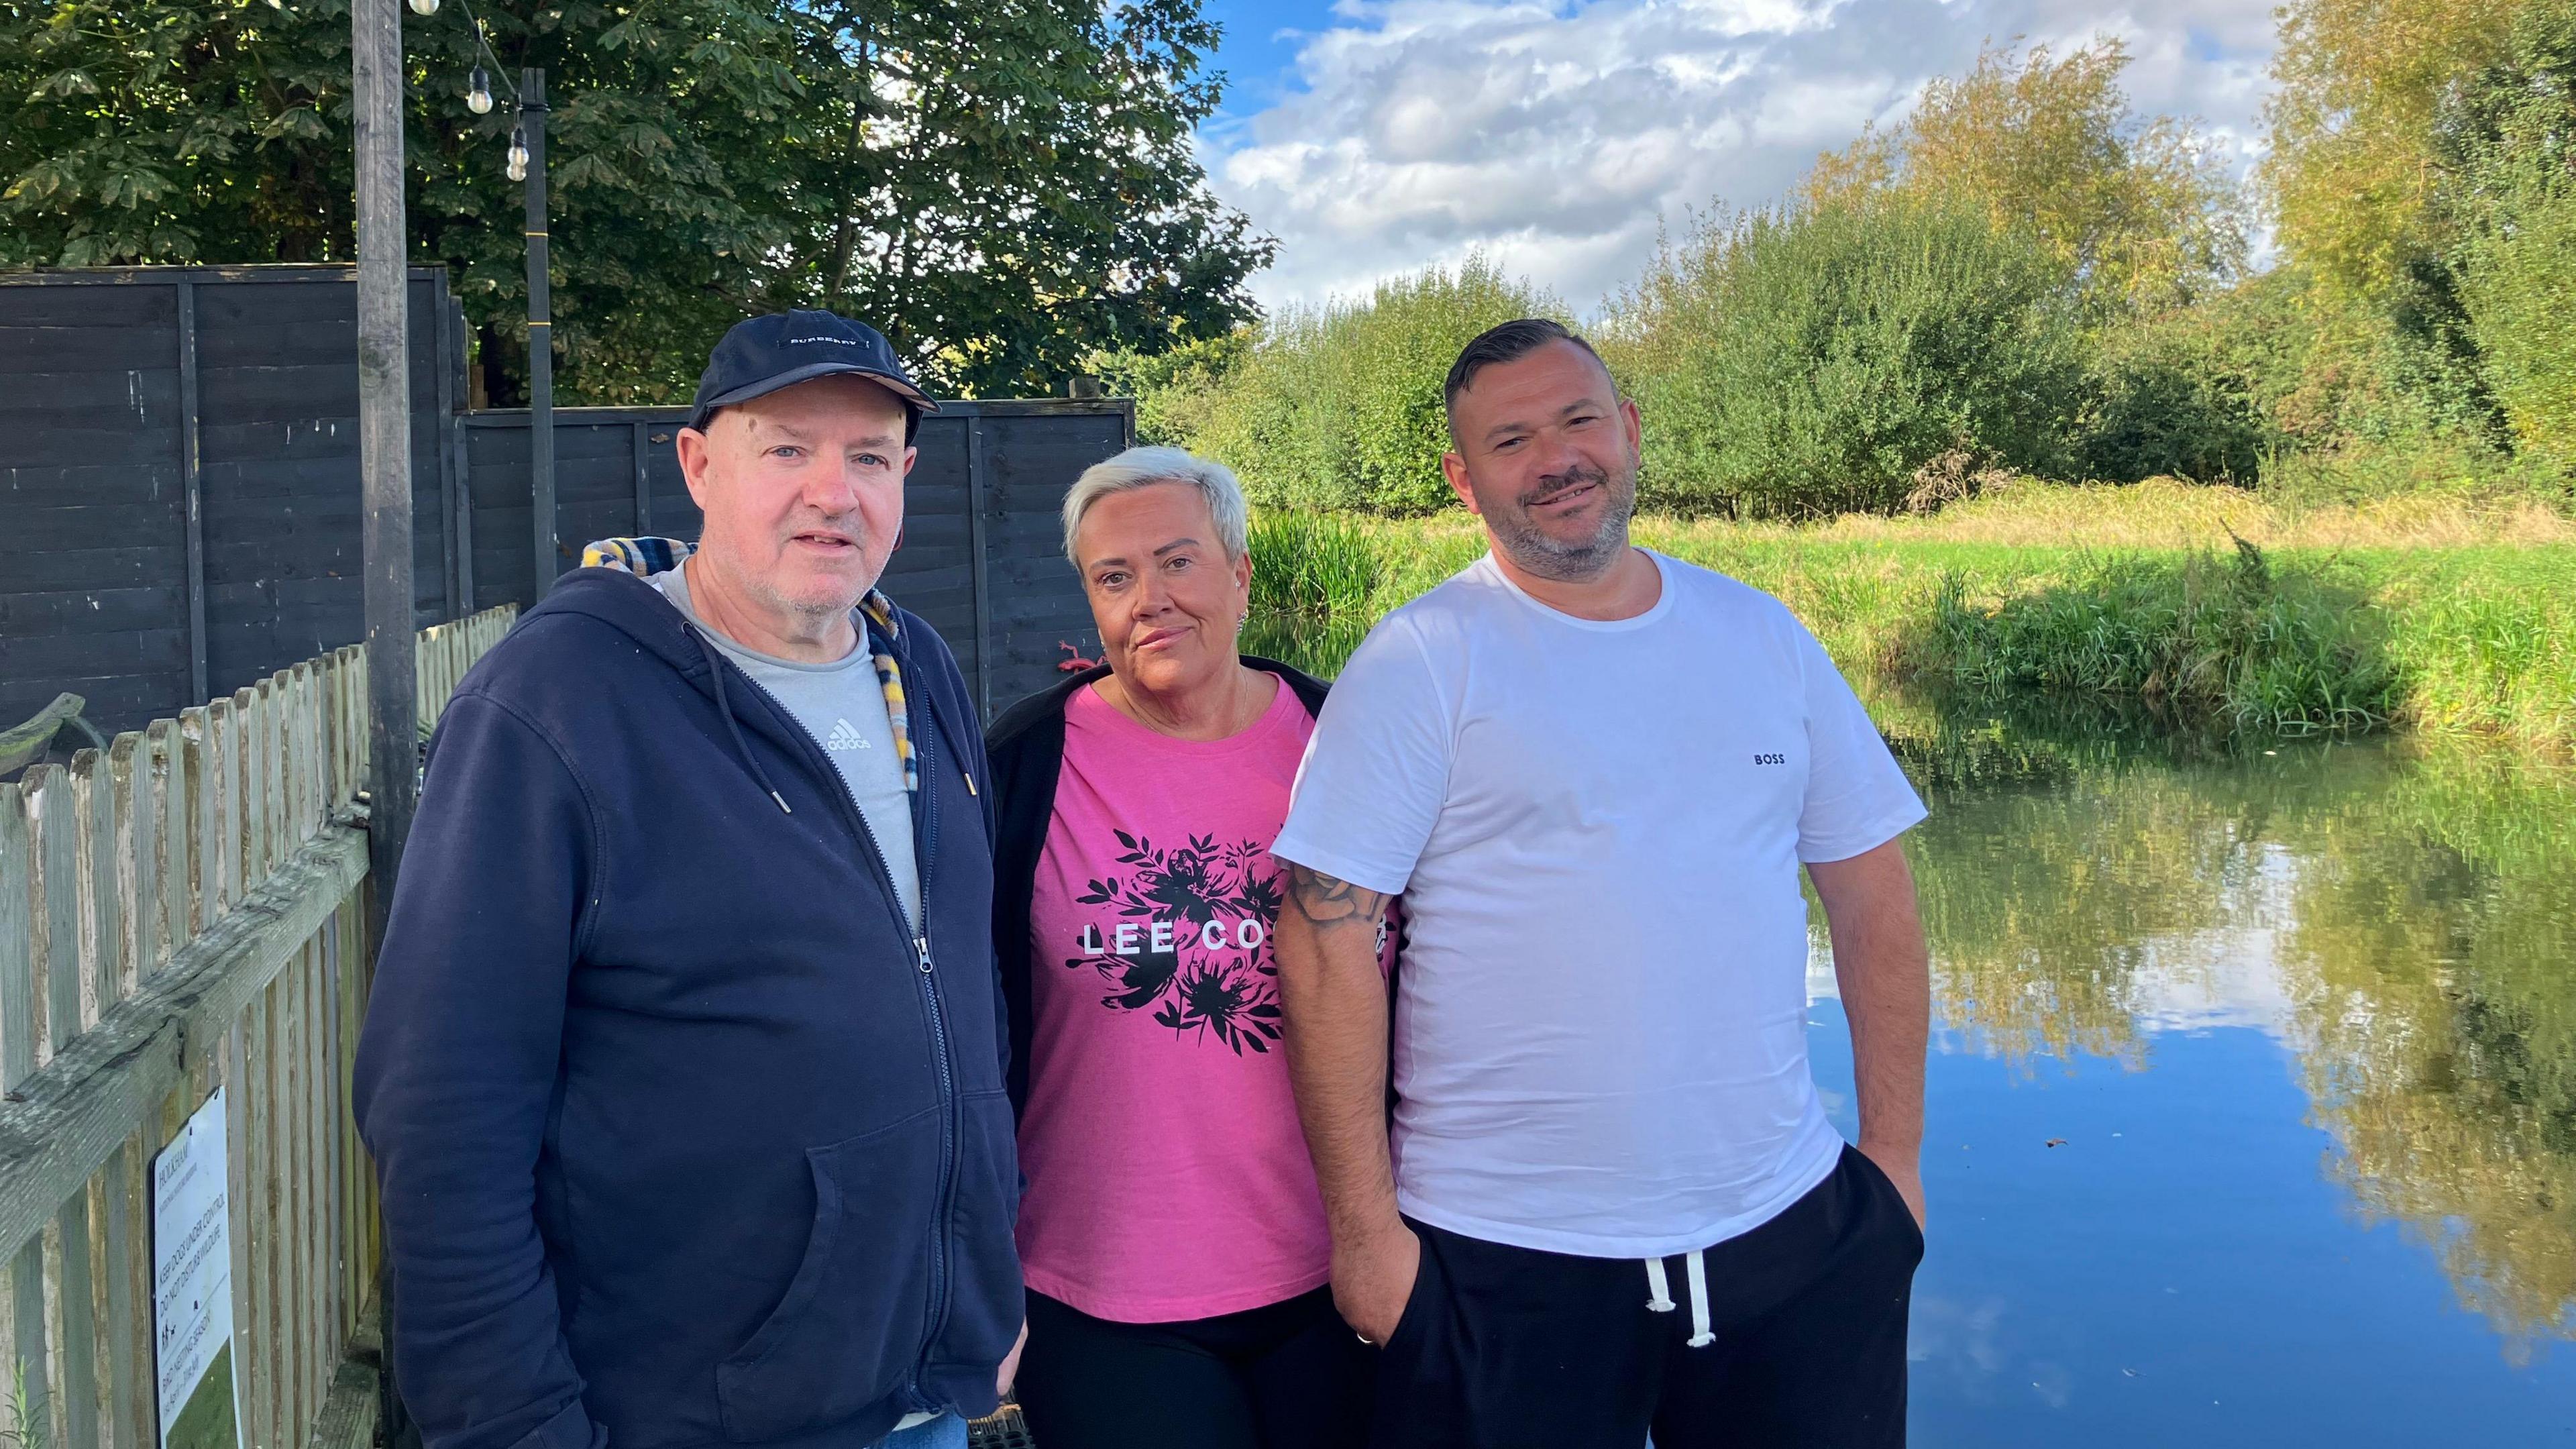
[845, 736]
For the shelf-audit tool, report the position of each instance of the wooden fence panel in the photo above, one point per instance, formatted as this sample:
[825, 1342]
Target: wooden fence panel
[179, 477]
[181, 910]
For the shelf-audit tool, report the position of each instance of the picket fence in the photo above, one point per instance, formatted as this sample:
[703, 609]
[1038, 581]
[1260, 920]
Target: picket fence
[186, 909]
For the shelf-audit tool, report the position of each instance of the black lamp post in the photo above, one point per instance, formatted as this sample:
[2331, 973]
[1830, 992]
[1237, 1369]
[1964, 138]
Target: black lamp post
[528, 165]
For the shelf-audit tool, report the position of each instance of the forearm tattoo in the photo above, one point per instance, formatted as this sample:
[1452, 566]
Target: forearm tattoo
[1328, 902]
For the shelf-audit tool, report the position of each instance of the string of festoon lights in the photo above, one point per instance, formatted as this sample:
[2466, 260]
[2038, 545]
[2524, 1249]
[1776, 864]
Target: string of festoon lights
[478, 85]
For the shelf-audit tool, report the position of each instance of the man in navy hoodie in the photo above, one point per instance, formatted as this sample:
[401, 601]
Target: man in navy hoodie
[683, 1072]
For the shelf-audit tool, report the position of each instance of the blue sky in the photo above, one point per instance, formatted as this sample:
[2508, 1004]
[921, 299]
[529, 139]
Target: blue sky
[1375, 136]
[1260, 50]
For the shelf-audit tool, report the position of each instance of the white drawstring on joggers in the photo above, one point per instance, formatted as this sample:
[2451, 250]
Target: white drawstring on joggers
[1696, 1265]
[1662, 1287]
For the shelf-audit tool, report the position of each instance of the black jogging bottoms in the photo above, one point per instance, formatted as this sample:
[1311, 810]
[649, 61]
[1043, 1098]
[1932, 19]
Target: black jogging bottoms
[1512, 1348]
[1288, 1376]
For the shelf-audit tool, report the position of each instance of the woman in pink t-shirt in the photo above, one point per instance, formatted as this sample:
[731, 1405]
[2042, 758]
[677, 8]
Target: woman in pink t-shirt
[1172, 1234]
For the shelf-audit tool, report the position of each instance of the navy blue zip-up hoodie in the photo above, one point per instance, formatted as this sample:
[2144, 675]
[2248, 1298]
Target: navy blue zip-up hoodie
[684, 1138]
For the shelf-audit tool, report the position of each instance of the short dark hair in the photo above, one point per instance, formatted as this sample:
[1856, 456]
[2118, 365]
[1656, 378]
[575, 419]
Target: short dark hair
[1509, 342]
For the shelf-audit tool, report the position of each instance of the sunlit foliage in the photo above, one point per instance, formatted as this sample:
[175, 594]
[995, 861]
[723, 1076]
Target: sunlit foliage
[2359, 87]
[2143, 212]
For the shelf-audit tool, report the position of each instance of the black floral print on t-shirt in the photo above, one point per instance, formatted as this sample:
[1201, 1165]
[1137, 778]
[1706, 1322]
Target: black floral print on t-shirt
[1189, 939]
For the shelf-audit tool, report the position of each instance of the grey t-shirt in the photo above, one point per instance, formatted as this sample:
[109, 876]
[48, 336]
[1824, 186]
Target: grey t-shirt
[842, 705]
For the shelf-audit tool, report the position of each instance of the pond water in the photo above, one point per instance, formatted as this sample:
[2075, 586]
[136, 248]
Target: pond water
[2252, 1099]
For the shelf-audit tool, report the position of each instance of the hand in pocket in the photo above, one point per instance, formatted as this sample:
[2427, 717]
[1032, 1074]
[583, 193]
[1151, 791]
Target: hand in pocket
[1373, 1280]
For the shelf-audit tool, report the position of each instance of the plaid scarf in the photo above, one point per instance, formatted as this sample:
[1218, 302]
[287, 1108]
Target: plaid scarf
[644, 557]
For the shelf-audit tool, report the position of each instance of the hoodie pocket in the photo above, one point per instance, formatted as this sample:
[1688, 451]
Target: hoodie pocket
[851, 1323]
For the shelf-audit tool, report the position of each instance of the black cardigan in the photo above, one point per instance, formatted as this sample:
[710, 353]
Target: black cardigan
[1025, 751]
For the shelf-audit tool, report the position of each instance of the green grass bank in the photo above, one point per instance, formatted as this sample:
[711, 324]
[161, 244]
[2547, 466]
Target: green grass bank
[2197, 607]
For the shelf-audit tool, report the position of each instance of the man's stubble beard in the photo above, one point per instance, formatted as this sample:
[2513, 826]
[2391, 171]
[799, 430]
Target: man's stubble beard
[1534, 551]
[755, 583]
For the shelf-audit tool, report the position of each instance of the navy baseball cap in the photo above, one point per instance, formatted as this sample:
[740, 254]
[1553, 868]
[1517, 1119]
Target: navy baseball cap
[764, 354]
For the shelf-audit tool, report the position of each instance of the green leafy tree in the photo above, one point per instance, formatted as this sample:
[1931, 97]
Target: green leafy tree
[1023, 166]
[2358, 87]
[2507, 140]
[1001, 187]
[2144, 214]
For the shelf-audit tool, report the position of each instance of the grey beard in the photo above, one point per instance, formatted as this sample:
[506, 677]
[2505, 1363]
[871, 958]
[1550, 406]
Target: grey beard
[1549, 558]
[759, 587]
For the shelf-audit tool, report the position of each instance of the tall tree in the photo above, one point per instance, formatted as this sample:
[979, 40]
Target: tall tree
[2359, 85]
[2506, 192]
[1025, 163]
[1003, 187]
[2144, 214]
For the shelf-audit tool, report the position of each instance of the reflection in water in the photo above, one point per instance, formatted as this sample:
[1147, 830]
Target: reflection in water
[2404, 922]
[2435, 947]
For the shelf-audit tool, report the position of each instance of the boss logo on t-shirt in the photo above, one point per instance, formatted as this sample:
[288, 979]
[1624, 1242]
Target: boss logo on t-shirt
[1770, 759]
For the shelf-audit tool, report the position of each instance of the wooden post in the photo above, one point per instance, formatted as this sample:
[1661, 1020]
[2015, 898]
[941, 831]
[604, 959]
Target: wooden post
[541, 343]
[384, 435]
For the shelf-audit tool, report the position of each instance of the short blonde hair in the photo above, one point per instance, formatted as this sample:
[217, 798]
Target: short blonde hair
[1145, 467]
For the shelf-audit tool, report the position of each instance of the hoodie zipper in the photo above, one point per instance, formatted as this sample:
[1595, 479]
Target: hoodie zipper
[926, 841]
[924, 743]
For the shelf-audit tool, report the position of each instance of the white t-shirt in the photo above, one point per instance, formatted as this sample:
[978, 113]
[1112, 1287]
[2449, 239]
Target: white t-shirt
[1600, 1025]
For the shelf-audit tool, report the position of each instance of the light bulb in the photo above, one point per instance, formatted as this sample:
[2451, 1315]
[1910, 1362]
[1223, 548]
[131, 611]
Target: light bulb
[424, 7]
[478, 93]
[518, 167]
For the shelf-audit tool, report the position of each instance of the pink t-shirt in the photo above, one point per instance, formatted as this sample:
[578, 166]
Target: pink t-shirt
[1167, 1177]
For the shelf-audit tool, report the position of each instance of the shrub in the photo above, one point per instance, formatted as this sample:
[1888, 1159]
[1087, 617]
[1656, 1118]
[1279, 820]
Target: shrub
[2433, 472]
[2158, 406]
[1809, 361]
[2522, 305]
[1174, 390]
[2230, 642]
[1339, 406]
[2282, 366]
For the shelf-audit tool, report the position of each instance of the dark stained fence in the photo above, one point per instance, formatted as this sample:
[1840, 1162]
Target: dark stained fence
[179, 479]
[982, 556]
[1030, 599]
[179, 491]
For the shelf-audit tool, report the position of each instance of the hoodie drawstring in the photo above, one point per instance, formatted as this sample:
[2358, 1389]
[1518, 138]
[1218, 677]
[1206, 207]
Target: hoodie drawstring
[1695, 1266]
[724, 707]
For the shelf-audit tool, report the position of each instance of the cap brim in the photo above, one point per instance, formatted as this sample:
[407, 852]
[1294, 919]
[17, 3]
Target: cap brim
[811, 371]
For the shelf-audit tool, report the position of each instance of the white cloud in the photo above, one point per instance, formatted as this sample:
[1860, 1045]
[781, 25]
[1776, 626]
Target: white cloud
[1552, 136]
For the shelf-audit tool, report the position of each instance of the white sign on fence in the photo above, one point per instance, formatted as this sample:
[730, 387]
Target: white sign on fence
[192, 1287]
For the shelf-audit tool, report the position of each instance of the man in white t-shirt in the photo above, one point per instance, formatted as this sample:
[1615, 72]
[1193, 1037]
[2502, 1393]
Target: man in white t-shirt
[1613, 1201]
